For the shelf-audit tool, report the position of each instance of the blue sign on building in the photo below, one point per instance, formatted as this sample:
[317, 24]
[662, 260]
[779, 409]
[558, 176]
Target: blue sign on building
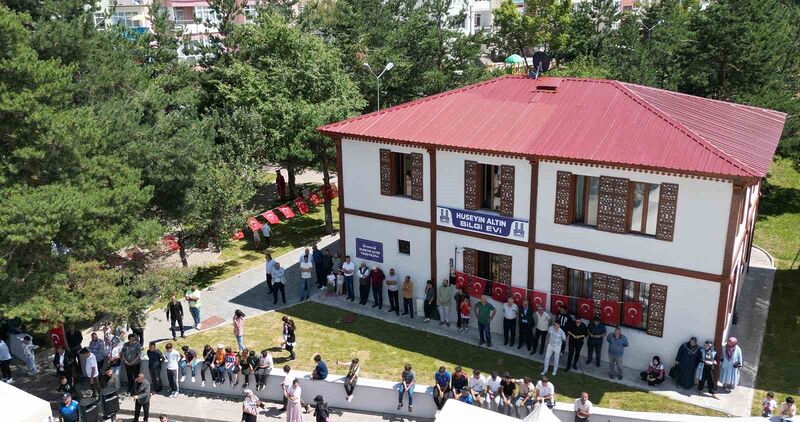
[483, 222]
[369, 250]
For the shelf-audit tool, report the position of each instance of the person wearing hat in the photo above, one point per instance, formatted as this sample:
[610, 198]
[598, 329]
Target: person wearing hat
[68, 409]
[321, 411]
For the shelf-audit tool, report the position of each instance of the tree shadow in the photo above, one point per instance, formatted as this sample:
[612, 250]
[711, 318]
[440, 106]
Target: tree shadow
[778, 200]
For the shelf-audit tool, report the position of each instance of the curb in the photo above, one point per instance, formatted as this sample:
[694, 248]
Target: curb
[769, 256]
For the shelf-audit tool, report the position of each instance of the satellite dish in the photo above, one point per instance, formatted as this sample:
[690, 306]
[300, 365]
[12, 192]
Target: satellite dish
[541, 63]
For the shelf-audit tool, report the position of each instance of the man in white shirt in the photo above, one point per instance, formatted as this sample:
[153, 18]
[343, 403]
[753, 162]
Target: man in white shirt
[172, 358]
[583, 408]
[363, 283]
[90, 369]
[542, 322]
[349, 269]
[477, 387]
[192, 297]
[393, 287]
[265, 232]
[278, 283]
[306, 269]
[270, 265]
[546, 392]
[493, 391]
[510, 314]
[555, 337]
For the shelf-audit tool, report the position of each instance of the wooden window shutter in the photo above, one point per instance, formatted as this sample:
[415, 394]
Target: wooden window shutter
[563, 195]
[470, 257]
[416, 176]
[505, 270]
[558, 280]
[507, 191]
[471, 180]
[667, 209]
[599, 287]
[386, 172]
[614, 288]
[612, 209]
[656, 307]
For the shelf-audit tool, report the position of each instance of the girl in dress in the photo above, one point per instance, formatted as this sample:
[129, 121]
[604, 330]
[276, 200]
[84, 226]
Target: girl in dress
[293, 407]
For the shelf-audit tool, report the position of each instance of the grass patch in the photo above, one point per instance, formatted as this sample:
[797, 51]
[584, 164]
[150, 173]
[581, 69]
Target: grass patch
[777, 232]
[383, 348]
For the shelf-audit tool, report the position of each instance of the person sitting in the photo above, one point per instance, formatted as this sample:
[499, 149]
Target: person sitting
[546, 392]
[320, 371]
[654, 374]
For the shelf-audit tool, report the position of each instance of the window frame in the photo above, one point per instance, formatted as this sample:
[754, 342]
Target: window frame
[648, 188]
[400, 247]
[496, 182]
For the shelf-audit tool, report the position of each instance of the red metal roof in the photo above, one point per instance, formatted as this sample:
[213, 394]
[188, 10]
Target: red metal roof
[598, 121]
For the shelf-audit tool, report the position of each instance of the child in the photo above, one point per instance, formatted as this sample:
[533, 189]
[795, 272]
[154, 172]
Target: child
[321, 411]
[464, 312]
[788, 410]
[30, 358]
[220, 364]
[231, 365]
[64, 385]
[768, 405]
[340, 282]
[331, 282]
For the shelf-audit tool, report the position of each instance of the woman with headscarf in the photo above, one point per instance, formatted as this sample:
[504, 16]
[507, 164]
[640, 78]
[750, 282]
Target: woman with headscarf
[293, 405]
[250, 406]
[654, 374]
[731, 362]
[688, 357]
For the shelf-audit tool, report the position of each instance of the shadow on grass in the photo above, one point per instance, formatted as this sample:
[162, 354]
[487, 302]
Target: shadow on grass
[778, 200]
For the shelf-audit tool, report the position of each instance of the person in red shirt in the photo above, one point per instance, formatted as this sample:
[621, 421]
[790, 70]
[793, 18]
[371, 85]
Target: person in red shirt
[464, 311]
[281, 183]
[376, 277]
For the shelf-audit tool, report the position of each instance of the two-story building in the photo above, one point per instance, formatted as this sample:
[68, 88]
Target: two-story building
[634, 202]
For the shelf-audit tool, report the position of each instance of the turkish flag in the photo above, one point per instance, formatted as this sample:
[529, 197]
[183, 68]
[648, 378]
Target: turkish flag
[170, 242]
[57, 336]
[477, 287]
[557, 301]
[301, 206]
[254, 224]
[499, 292]
[314, 198]
[609, 312]
[538, 299]
[329, 192]
[286, 211]
[271, 217]
[239, 235]
[519, 294]
[461, 280]
[586, 308]
[632, 314]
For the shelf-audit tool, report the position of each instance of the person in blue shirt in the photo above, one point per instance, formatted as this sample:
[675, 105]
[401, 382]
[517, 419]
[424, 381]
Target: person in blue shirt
[441, 390]
[68, 409]
[616, 349]
[320, 371]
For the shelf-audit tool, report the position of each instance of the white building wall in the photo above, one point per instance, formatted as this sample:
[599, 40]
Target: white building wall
[691, 305]
[362, 181]
[700, 228]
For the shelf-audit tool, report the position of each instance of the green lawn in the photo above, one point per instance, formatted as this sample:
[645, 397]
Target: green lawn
[778, 231]
[383, 348]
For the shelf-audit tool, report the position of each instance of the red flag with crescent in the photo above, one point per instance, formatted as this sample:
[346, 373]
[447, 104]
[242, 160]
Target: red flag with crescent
[57, 336]
[254, 224]
[519, 294]
[286, 211]
[586, 308]
[329, 192]
[632, 314]
[301, 206]
[271, 217]
[239, 235]
[609, 312]
[557, 301]
[499, 292]
[461, 280]
[477, 286]
[538, 299]
[314, 198]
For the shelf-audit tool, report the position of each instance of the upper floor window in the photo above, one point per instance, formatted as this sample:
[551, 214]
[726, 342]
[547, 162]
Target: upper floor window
[489, 187]
[587, 189]
[643, 207]
[478, 20]
[250, 13]
[401, 174]
[206, 14]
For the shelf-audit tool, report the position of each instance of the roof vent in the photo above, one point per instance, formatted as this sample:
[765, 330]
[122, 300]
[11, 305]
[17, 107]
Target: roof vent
[548, 84]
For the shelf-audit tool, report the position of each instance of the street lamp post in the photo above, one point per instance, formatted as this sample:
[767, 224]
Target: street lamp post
[650, 29]
[389, 66]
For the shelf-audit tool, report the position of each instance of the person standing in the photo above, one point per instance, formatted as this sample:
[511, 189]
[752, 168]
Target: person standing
[250, 406]
[687, 359]
[266, 232]
[541, 321]
[525, 325]
[74, 340]
[98, 347]
[376, 277]
[510, 315]
[306, 271]
[441, 387]
[460, 295]
[192, 297]
[291, 338]
[293, 405]
[62, 361]
[706, 369]
[565, 321]
[464, 313]
[30, 356]
[351, 378]
[115, 359]
[732, 361]
[140, 393]
[175, 316]
[407, 382]
[280, 184]
[363, 283]
[131, 354]
[484, 313]
[555, 338]
[269, 264]
[90, 369]
[444, 300]
[408, 297]
[430, 300]
[616, 350]
[477, 388]
[319, 266]
[594, 344]
[68, 409]
[135, 324]
[583, 408]
[238, 328]
[172, 358]
[577, 335]
[264, 367]
[278, 283]
[154, 360]
[349, 269]
[392, 288]
[327, 261]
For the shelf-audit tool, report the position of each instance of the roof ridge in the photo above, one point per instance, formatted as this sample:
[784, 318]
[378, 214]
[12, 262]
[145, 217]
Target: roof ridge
[622, 86]
[727, 103]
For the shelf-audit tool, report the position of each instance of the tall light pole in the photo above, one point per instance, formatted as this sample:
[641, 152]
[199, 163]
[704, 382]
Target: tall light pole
[650, 29]
[389, 66]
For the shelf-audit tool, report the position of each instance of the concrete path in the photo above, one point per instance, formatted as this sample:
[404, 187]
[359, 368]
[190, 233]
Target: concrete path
[227, 409]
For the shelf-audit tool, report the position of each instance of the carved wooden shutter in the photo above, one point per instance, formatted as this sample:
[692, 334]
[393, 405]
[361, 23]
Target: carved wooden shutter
[416, 176]
[470, 261]
[614, 288]
[656, 307]
[558, 280]
[612, 210]
[471, 180]
[386, 172]
[505, 270]
[599, 287]
[507, 191]
[563, 195]
[667, 208]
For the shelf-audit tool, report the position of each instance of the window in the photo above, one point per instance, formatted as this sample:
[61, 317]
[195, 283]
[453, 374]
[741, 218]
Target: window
[123, 18]
[181, 17]
[206, 14]
[643, 203]
[99, 19]
[404, 247]
[634, 291]
[587, 189]
[478, 20]
[401, 174]
[250, 13]
[488, 266]
[579, 285]
[628, 8]
[490, 187]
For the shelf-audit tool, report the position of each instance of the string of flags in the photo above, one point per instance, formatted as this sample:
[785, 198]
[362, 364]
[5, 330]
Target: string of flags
[608, 310]
[270, 217]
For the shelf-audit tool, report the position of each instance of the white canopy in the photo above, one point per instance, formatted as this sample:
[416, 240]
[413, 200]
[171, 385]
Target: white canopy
[19, 406]
[541, 414]
[458, 411]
